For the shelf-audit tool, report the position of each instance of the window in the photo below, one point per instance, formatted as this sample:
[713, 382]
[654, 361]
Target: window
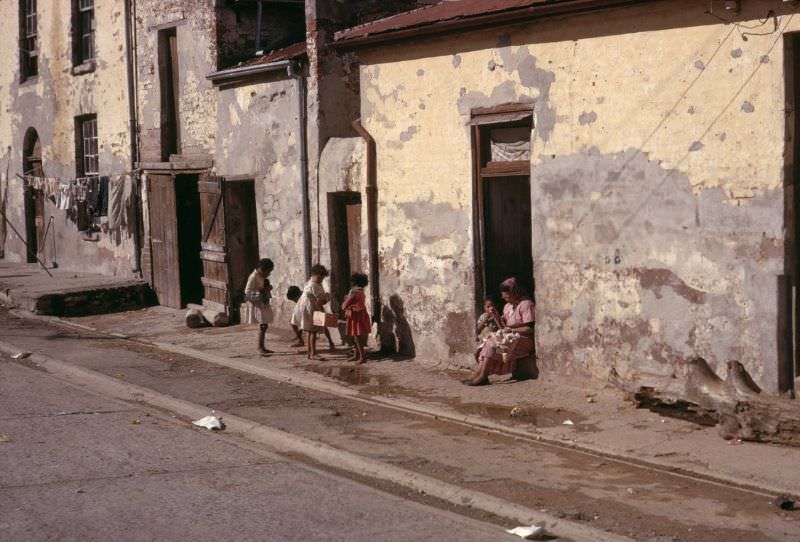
[86, 159]
[28, 51]
[83, 31]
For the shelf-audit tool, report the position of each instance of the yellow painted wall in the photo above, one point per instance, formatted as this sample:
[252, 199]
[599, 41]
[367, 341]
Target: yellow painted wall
[49, 103]
[657, 171]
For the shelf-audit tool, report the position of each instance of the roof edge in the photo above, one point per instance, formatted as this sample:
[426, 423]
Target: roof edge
[499, 18]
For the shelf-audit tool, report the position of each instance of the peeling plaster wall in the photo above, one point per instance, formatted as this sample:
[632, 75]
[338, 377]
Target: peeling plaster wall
[49, 103]
[196, 33]
[257, 127]
[656, 181]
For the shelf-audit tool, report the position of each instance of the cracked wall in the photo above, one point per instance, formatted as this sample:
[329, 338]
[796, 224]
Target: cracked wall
[656, 184]
[257, 126]
[49, 103]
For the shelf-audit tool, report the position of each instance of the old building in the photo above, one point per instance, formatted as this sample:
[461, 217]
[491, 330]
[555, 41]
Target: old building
[629, 159]
[66, 113]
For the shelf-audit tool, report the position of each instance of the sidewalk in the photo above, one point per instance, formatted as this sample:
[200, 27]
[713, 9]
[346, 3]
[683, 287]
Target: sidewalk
[603, 422]
[67, 293]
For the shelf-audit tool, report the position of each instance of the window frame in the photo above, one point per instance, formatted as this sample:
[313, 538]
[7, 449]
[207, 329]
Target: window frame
[87, 148]
[28, 39]
[84, 51]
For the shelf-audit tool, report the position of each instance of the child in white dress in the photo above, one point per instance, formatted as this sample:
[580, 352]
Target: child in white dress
[313, 299]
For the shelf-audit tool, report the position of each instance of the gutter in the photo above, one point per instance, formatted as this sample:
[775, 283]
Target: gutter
[372, 219]
[232, 74]
[133, 112]
[510, 17]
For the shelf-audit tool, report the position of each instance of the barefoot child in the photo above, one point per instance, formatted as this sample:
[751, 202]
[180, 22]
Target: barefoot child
[258, 292]
[355, 312]
[294, 294]
[313, 299]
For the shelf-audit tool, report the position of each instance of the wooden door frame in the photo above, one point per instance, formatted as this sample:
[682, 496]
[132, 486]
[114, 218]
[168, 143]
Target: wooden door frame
[337, 200]
[161, 168]
[483, 119]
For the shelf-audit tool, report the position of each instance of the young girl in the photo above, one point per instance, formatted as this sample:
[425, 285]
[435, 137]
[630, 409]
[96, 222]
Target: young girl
[258, 293]
[488, 324]
[313, 299]
[356, 315]
[294, 295]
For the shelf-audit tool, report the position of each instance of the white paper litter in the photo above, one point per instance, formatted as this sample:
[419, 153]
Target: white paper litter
[534, 532]
[568, 422]
[210, 422]
[21, 355]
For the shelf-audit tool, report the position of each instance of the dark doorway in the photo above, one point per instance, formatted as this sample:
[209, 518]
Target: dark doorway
[187, 200]
[502, 193]
[241, 236]
[344, 223]
[34, 199]
[170, 92]
[788, 332]
[507, 231]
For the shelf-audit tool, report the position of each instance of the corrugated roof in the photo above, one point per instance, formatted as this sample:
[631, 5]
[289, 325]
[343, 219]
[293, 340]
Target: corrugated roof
[292, 51]
[449, 12]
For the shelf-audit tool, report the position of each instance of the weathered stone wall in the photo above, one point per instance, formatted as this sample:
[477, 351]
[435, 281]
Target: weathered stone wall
[258, 137]
[656, 183]
[196, 34]
[49, 103]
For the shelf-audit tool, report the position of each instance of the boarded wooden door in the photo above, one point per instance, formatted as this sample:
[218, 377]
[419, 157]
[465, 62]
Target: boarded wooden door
[164, 239]
[241, 236]
[34, 223]
[507, 208]
[216, 269]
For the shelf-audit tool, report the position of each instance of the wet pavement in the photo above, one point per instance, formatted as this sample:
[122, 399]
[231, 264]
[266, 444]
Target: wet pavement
[614, 495]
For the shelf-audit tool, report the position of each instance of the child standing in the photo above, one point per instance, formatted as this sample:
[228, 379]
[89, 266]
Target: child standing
[313, 299]
[355, 311]
[258, 293]
[294, 294]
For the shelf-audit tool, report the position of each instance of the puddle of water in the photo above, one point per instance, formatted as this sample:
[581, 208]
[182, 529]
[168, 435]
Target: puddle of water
[353, 375]
[539, 416]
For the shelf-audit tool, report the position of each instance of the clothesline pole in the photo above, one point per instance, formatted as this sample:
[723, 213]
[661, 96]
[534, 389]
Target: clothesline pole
[10, 225]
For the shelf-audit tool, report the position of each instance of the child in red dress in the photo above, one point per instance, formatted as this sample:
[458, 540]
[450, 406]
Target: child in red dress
[355, 311]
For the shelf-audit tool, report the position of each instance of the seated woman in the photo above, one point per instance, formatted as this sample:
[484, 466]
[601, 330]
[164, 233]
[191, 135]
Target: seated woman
[500, 353]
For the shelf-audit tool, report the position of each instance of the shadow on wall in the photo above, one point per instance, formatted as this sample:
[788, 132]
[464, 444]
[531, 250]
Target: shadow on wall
[394, 331]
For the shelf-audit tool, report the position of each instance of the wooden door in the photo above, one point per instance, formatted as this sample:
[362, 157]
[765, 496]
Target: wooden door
[216, 270]
[507, 235]
[344, 224]
[241, 236]
[164, 239]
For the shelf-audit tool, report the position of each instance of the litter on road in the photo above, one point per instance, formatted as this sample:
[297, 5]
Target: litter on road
[21, 355]
[210, 423]
[568, 422]
[5, 438]
[534, 532]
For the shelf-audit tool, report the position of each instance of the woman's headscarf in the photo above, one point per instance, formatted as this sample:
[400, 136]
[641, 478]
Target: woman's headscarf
[511, 285]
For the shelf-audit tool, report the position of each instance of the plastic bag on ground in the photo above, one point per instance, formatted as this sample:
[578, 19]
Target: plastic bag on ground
[533, 532]
[210, 423]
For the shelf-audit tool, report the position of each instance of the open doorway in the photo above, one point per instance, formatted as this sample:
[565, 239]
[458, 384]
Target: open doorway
[187, 207]
[175, 231]
[34, 199]
[502, 191]
[344, 225]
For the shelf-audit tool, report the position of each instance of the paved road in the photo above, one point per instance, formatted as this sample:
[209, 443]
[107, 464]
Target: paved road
[180, 475]
[76, 466]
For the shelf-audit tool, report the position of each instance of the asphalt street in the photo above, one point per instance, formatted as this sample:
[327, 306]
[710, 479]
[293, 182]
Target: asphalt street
[75, 466]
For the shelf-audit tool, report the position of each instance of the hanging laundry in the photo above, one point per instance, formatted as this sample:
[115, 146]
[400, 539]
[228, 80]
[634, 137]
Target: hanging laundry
[102, 197]
[119, 191]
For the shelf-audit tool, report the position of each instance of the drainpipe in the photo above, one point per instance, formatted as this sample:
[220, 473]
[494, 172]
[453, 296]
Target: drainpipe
[293, 71]
[372, 220]
[130, 39]
[259, 12]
